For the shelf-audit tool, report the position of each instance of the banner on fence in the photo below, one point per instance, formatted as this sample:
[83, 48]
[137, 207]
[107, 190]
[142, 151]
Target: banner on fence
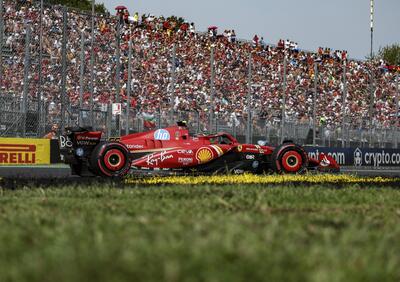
[19, 151]
[116, 109]
[359, 156]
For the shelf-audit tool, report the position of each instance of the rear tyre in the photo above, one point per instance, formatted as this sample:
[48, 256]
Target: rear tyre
[110, 159]
[289, 158]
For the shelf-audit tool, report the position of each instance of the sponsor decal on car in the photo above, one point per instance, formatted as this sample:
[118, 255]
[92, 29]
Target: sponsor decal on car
[88, 139]
[250, 157]
[324, 162]
[185, 152]
[239, 148]
[85, 137]
[217, 149]
[65, 142]
[185, 161]
[86, 143]
[155, 159]
[259, 149]
[162, 134]
[204, 155]
[250, 149]
[135, 146]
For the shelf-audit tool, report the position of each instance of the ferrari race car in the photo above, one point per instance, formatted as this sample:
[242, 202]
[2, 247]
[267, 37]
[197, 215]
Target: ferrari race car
[173, 151]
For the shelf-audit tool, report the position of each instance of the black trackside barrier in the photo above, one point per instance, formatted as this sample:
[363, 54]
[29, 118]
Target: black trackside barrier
[54, 152]
[359, 157]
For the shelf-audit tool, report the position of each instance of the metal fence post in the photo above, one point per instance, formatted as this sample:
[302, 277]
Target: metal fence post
[283, 98]
[212, 88]
[344, 101]
[397, 124]
[315, 102]
[108, 122]
[91, 84]
[118, 75]
[198, 125]
[81, 81]
[1, 45]
[128, 86]
[64, 69]
[27, 62]
[40, 86]
[216, 122]
[371, 108]
[173, 78]
[249, 101]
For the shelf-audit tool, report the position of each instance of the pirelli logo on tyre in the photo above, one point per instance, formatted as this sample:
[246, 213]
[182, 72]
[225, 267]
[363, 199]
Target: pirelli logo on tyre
[16, 151]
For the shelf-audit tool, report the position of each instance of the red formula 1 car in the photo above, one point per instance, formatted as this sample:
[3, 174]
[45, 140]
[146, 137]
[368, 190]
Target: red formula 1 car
[173, 151]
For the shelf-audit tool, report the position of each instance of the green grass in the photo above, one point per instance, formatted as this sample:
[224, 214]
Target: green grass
[203, 233]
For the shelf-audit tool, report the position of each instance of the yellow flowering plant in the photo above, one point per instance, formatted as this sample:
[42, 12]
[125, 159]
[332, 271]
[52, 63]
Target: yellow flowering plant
[261, 179]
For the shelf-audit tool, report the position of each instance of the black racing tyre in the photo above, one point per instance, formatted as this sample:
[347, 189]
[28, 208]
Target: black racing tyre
[289, 158]
[110, 159]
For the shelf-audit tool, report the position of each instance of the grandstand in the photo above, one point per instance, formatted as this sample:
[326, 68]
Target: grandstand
[370, 89]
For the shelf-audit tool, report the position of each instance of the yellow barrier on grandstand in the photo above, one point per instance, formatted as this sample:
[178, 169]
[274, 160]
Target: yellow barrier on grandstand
[19, 151]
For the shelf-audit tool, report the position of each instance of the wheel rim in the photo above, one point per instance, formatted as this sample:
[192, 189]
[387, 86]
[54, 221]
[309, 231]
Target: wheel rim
[114, 160]
[292, 161]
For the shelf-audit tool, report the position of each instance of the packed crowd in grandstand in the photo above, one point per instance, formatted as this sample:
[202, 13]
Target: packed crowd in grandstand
[153, 38]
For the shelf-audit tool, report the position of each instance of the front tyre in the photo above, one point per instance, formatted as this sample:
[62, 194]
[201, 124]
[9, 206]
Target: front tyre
[289, 158]
[110, 159]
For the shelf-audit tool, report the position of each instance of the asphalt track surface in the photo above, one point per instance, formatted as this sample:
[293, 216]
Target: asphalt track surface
[63, 172]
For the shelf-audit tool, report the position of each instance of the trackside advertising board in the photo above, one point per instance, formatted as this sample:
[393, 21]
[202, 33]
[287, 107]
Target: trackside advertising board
[18, 151]
[359, 157]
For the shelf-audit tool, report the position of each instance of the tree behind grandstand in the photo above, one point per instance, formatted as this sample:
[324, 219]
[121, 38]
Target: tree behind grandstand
[390, 54]
[85, 5]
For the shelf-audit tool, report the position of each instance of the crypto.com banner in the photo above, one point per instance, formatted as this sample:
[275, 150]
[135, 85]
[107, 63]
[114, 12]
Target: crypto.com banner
[359, 156]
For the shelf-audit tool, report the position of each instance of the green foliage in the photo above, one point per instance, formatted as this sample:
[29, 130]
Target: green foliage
[84, 5]
[390, 54]
[200, 233]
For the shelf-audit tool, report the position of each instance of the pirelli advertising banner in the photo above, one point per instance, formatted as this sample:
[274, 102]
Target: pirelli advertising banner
[359, 157]
[18, 151]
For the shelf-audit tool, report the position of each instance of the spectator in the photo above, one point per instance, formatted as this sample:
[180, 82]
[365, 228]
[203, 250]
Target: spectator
[255, 41]
[152, 86]
[52, 134]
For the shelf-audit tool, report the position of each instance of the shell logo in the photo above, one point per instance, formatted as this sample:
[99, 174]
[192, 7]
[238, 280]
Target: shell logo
[204, 155]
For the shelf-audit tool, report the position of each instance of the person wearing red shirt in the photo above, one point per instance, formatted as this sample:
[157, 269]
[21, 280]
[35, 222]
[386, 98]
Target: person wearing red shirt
[255, 40]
